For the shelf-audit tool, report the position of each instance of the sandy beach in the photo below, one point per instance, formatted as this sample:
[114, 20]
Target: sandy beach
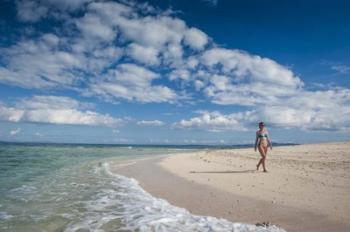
[307, 187]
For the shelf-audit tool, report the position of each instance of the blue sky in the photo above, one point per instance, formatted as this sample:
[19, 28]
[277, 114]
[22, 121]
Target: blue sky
[174, 72]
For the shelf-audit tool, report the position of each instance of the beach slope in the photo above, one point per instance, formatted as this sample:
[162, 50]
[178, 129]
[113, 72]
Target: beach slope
[307, 187]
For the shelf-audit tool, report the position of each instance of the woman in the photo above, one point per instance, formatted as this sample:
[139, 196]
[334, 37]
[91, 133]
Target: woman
[262, 142]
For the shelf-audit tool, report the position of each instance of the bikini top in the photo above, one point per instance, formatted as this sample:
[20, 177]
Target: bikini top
[263, 134]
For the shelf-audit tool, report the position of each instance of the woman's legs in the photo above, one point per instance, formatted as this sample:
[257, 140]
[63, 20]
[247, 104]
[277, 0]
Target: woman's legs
[260, 161]
[265, 150]
[262, 151]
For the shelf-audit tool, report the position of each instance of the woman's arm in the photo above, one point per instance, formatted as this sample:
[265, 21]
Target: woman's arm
[256, 141]
[270, 143]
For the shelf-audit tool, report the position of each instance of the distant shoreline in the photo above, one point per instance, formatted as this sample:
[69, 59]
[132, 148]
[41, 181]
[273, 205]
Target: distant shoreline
[186, 146]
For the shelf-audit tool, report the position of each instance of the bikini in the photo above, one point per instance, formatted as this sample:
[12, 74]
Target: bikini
[263, 139]
[263, 135]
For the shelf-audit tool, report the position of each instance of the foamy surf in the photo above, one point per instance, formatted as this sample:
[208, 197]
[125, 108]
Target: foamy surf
[140, 211]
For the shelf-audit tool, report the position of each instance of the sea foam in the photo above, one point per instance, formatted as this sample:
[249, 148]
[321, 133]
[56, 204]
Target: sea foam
[142, 212]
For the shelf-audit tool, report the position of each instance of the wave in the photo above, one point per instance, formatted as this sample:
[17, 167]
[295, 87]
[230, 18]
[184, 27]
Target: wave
[138, 210]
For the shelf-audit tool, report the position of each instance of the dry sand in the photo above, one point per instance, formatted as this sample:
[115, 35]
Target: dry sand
[307, 187]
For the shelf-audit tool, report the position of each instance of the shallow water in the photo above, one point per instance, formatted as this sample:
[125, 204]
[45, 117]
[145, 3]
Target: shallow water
[70, 188]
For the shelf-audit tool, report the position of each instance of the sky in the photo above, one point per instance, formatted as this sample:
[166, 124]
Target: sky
[174, 71]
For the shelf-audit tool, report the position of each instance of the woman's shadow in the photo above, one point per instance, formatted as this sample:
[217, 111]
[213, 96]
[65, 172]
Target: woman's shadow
[227, 172]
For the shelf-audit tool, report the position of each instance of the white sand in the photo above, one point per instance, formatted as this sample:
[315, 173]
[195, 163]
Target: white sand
[313, 178]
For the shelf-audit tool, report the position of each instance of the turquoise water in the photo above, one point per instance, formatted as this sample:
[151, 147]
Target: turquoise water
[71, 188]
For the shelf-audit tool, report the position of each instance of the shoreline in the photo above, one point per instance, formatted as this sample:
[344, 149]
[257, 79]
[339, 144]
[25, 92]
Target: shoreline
[165, 178]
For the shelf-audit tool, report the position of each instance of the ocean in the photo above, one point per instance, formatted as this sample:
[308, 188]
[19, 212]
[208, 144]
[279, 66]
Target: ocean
[64, 187]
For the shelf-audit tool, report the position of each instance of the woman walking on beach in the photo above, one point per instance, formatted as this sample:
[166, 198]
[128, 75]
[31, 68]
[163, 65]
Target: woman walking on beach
[262, 142]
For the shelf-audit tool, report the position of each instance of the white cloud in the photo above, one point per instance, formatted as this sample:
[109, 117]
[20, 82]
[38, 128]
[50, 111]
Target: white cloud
[11, 114]
[340, 68]
[215, 121]
[68, 116]
[15, 131]
[183, 74]
[93, 53]
[243, 66]
[92, 27]
[133, 82]
[34, 10]
[198, 85]
[153, 31]
[67, 4]
[56, 61]
[30, 11]
[192, 62]
[145, 55]
[212, 2]
[39, 64]
[66, 60]
[150, 123]
[52, 102]
[239, 78]
[196, 38]
[156, 37]
[55, 110]
[111, 10]
[319, 110]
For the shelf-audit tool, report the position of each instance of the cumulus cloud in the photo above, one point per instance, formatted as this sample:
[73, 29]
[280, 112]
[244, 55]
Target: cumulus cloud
[87, 48]
[153, 31]
[66, 4]
[320, 110]
[93, 28]
[244, 79]
[37, 64]
[215, 121]
[145, 55]
[183, 74]
[52, 102]
[30, 11]
[243, 66]
[150, 123]
[133, 82]
[195, 38]
[129, 51]
[55, 110]
[34, 10]
[155, 39]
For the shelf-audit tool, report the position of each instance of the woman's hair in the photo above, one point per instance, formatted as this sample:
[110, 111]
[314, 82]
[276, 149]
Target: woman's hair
[261, 124]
